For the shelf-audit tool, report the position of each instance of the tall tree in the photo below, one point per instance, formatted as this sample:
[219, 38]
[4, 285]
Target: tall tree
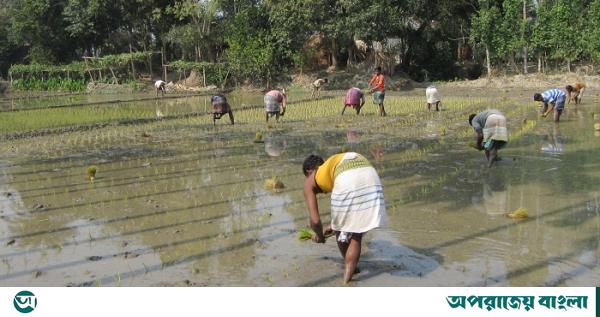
[40, 27]
[484, 29]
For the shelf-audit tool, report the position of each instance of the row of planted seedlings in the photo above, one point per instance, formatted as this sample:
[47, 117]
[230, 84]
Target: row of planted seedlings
[138, 163]
[198, 149]
[517, 130]
[48, 119]
[128, 138]
[246, 197]
[82, 117]
[111, 140]
[88, 208]
[109, 130]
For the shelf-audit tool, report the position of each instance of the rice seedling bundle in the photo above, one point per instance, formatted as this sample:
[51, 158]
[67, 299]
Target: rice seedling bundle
[520, 213]
[305, 234]
[274, 184]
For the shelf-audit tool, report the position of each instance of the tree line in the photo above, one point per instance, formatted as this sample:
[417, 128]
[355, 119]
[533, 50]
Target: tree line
[426, 39]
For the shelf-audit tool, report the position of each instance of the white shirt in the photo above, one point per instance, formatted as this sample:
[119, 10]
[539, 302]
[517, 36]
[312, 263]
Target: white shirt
[319, 82]
[433, 95]
[159, 83]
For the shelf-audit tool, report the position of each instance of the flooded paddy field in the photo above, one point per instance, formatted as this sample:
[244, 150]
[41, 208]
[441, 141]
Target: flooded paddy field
[177, 201]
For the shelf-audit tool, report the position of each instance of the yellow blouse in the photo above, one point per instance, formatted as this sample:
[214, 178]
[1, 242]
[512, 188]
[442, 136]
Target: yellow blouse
[325, 173]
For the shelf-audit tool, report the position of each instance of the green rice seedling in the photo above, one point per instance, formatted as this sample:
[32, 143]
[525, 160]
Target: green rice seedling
[520, 213]
[305, 234]
[258, 138]
[118, 279]
[91, 172]
[274, 184]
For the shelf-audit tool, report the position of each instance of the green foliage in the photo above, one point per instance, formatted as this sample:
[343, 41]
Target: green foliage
[39, 70]
[484, 24]
[251, 50]
[260, 40]
[592, 45]
[52, 84]
[118, 60]
[215, 72]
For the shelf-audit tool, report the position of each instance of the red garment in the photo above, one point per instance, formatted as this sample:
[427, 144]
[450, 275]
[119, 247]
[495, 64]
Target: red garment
[353, 97]
[379, 82]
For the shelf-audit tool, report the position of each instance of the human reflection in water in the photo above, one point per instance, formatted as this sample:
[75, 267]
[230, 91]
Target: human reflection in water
[377, 151]
[352, 137]
[159, 113]
[553, 142]
[275, 146]
[494, 197]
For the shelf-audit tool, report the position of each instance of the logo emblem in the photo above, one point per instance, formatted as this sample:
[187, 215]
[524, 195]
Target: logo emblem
[25, 302]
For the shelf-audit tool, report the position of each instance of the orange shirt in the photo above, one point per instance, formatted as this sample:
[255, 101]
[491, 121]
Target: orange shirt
[379, 82]
[578, 86]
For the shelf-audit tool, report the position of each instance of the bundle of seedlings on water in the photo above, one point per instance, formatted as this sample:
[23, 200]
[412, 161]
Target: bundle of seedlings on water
[520, 213]
[91, 172]
[258, 138]
[274, 184]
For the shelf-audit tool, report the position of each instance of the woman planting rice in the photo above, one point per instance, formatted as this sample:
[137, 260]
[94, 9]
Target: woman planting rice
[220, 107]
[433, 97]
[160, 86]
[355, 99]
[554, 97]
[275, 103]
[492, 133]
[575, 92]
[357, 203]
[317, 85]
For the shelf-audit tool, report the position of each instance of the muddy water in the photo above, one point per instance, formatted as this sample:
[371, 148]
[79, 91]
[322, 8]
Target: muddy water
[187, 206]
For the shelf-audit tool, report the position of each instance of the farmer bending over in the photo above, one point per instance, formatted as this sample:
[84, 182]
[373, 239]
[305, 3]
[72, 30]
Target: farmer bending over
[220, 107]
[433, 97]
[377, 88]
[316, 87]
[357, 203]
[556, 98]
[161, 86]
[275, 103]
[492, 133]
[575, 91]
[355, 99]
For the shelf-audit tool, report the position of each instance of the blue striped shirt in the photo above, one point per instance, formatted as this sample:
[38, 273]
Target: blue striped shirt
[553, 95]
